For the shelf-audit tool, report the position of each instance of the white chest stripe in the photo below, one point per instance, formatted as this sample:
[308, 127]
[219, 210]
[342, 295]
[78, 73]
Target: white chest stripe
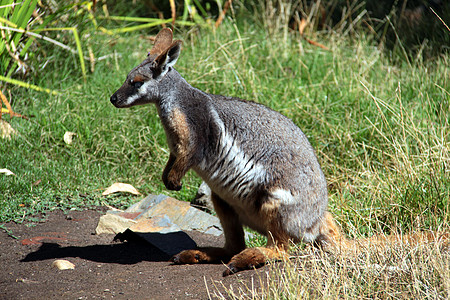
[232, 170]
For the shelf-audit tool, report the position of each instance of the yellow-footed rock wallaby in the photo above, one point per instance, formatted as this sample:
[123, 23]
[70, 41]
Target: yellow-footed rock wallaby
[261, 169]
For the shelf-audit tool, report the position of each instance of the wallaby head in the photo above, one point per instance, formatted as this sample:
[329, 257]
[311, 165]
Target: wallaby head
[141, 85]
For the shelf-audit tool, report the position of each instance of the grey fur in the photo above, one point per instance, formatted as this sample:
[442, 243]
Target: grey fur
[248, 154]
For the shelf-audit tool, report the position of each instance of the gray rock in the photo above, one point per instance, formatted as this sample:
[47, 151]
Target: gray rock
[146, 203]
[160, 223]
[160, 220]
[185, 216]
[203, 198]
[159, 214]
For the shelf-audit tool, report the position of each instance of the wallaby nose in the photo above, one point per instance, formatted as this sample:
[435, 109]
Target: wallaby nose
[113, 99]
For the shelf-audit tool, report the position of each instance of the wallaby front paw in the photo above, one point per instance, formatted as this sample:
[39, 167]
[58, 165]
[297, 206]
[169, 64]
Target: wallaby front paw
[173, 186]
[189, 257]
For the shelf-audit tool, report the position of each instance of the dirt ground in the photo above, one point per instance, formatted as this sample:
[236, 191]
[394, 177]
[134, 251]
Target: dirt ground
[103, 268]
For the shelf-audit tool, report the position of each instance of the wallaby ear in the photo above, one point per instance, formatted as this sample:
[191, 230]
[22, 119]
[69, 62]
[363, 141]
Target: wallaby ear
[167, 59]
[163, 40]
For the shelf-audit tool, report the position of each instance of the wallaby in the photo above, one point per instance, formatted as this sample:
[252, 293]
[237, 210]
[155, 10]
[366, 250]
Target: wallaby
[260, 166]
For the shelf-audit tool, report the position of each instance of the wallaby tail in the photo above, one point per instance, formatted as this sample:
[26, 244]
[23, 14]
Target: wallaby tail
[332, 240]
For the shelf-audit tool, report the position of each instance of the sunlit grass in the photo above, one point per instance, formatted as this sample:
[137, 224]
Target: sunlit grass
[419, 272]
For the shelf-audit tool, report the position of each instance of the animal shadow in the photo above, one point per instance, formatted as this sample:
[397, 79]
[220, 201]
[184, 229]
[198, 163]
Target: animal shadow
[131, 248]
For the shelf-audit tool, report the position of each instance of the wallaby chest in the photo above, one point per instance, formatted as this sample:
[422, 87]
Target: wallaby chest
[176, 126]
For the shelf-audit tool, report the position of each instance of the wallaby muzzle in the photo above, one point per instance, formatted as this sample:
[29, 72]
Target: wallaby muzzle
[113, 100]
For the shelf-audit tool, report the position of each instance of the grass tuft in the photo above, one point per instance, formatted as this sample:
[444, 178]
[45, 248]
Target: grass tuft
[395, 272]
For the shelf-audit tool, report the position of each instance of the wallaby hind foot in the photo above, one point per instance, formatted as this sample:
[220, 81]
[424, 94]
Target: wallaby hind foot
[201, 256]
[245, 260]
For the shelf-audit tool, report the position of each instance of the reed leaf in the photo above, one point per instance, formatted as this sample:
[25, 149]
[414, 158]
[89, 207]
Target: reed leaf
[28, 85]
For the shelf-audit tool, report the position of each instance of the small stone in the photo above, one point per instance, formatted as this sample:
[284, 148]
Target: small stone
[62, 264]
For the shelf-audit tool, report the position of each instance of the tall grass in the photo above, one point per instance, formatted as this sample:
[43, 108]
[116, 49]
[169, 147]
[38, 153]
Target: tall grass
[381, 132]
[396, 273]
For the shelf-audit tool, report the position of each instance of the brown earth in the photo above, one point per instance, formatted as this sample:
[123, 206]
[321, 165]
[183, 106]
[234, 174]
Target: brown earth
[103, 268]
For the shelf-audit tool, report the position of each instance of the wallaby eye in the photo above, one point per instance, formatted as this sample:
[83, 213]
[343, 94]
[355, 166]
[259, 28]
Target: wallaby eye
[136, 84]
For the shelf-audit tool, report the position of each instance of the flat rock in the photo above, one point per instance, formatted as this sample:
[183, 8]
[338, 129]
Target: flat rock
[145, 203]
[159, 223]
[185, 216]
[160, 220]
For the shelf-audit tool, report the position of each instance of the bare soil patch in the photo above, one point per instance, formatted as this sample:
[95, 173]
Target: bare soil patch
[103, 268]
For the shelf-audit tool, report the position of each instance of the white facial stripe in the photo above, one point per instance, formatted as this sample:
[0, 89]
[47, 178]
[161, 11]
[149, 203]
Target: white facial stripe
[132, 98]
[146, 88]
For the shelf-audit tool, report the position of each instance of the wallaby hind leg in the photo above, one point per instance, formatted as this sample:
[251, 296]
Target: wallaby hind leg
[234, 238]
[276, 248]
[328, 234]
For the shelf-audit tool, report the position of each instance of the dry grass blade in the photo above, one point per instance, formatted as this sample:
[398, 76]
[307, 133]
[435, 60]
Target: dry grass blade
[9, 108]
[303, 23]
[316, 44]
[12, 53]
[440, 19]
[174, 12]
[223, 13]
